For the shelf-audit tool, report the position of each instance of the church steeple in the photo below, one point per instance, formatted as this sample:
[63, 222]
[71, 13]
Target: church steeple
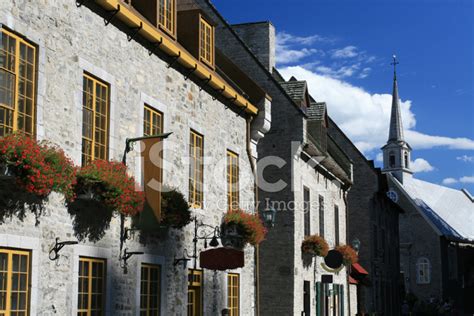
[396, 153]
[396, 128]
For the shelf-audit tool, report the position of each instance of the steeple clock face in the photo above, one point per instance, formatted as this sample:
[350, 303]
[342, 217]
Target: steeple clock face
[392, 195]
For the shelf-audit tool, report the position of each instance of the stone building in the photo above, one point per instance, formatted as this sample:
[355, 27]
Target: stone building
[373, 221]
[293, 148]
[152, 63]
[436, 231]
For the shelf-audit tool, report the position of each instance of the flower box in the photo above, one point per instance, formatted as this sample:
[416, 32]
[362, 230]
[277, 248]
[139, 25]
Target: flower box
[314, 245]
[239, 228]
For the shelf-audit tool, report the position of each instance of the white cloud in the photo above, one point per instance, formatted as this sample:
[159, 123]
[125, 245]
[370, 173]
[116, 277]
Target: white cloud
[289, 47]
[341, 72]
[421, 165]
[449, 181]
[365, 117]
[379, 157]
[467, 179]
[346, 52]
[466, 158]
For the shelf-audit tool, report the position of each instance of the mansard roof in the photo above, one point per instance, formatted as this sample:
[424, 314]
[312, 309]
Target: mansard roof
[449, 211]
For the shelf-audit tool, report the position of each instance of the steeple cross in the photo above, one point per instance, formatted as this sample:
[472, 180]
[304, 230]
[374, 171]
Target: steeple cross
[394, 63]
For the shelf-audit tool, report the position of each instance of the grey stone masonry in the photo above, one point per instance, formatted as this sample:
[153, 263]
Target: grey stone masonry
[71, 41]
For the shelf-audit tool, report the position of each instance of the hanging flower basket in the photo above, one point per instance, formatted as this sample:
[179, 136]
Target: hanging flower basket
[29, 171]
[175, 209]
[240, 228]
[349, 255]
[102, 187]
[315, 245]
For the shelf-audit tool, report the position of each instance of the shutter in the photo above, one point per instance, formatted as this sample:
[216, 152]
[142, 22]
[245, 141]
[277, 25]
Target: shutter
[318, 298]
[341, 288]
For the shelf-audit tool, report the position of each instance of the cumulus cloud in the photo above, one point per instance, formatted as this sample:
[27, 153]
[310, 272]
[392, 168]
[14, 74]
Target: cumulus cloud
[365, 116]
[466, 158]
[465, 179]
[449, 181]
[346, 52]
[421, 165]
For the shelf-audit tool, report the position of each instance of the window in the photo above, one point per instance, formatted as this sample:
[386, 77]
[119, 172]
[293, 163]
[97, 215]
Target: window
[392, 160]
[336, 224]
[206, 42]
[321, 216]
[406, 160]
[196, 145]
[423, 273]
[14, 282]
[167, 16]
[233, 294]
[17, 84]
[307, 298]
[152, 122]
[195, 293]
[232, 180]
[307, 212]
[150, 290]
[91, 291]
[95, 121]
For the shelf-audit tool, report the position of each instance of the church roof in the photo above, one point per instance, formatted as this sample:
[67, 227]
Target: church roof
[450, 211]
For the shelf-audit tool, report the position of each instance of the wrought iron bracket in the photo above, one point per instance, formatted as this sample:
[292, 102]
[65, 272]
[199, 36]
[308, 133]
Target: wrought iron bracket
[174, 60]
[206, 82]
[218, 91]
[58, 245]
[135, 31]
[155, 46]
[190, 72]
[112, 14]
[127, 255]
[232, 99]
[242, 111]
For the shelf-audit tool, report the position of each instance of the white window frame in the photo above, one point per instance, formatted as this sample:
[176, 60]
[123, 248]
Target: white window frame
[423, 265]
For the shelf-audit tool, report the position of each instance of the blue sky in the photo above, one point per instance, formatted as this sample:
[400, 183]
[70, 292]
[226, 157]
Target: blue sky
[344, 48]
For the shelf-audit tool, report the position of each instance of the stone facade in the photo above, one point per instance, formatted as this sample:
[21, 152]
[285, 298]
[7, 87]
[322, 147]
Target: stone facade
[282, 269]
[71, 41]
[373, 219]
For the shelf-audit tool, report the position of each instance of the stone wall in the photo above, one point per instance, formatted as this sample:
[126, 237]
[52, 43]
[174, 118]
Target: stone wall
[72, 41]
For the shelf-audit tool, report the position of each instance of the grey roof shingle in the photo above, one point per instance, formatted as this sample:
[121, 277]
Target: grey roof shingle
[317, 111]
[295, 89]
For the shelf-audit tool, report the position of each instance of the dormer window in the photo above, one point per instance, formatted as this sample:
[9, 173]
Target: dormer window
[160, 13]
[167, 16]
[206, 42]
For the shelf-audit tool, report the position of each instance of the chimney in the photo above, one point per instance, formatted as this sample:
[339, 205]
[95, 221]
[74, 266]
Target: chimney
[260, 38]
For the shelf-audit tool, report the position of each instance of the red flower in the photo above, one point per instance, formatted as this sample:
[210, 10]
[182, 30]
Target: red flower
[315, 245]
[251, 224]
[349, 255]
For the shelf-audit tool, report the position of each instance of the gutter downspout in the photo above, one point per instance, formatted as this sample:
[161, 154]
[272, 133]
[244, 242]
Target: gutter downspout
[347, 270]
[249, 120]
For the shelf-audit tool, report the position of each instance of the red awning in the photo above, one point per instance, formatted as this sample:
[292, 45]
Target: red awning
[359, 269]
[352, 280]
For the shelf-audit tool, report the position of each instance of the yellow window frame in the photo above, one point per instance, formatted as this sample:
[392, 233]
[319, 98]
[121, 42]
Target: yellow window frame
[92, 107]
[206, 42]
[233, 294]
[196, 170]
[147, 298]
[6, 288]
[20, 62]
[195, 292]
[88, 310]
[167, 16]
[152, 121]
[233, 191]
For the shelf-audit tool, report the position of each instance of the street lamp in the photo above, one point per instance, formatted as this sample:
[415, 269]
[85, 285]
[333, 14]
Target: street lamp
[269, 216]
[356, 244]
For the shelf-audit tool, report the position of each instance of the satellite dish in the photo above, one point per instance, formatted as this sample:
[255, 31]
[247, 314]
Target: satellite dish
[334, 259]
